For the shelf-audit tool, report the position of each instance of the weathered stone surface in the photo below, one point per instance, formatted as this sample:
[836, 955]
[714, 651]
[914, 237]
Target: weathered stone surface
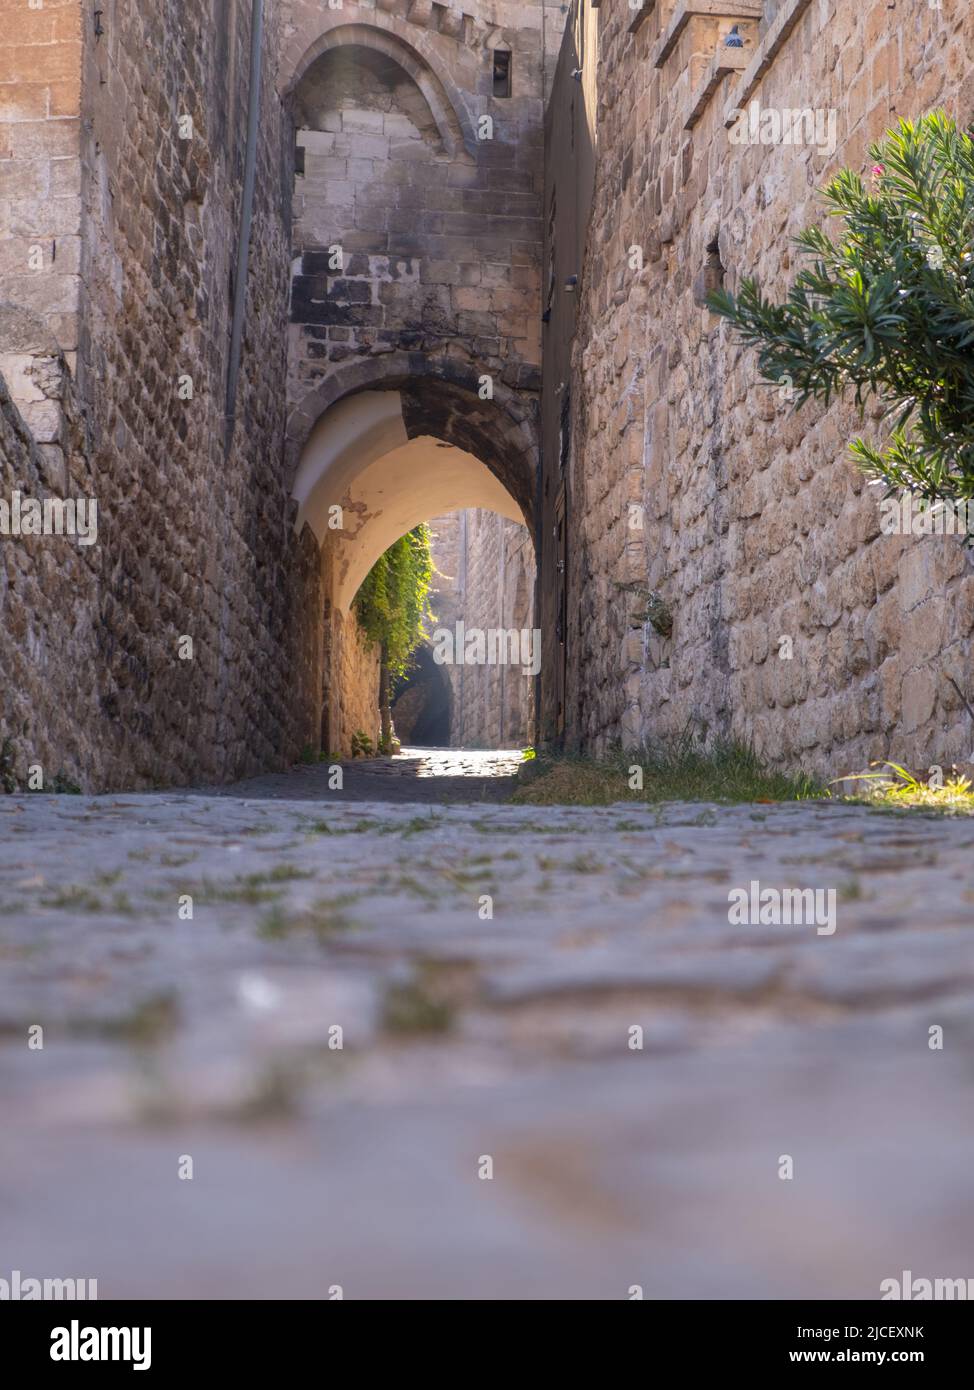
[417, 266]
[485, 576]
[750, 520]
[464, 1036]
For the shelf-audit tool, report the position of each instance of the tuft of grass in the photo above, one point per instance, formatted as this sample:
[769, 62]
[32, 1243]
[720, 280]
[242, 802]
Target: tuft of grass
[76, 898]
[323, 920]
[281, 873]
[360, 827]
[414, 826]
[412, 1007]
[891, 787]
[147, 1023]
[248, 888]
[79, 898]
[64, 785]
[679, 770]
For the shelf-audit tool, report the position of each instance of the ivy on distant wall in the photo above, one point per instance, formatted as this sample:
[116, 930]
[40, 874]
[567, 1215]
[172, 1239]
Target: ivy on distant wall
[887, 309]
[392, 605]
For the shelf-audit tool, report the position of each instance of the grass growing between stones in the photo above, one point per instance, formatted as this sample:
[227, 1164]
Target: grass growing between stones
[79, 898]
[411, 1007]
[892, 788]
[681, 771]
[148, 1022]
[248, 888]
[323, 920]
[726, 772]
[414, 826]
[429, 1001]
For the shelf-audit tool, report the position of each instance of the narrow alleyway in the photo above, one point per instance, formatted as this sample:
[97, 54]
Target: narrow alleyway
[488, 967]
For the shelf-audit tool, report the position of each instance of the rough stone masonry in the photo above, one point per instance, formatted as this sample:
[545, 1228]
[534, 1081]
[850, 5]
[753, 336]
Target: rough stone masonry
[669, 466]
[202, 636]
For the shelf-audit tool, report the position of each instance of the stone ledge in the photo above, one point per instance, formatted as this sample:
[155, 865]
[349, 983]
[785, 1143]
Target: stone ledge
[774, 40]
[645, 10]
[441, 18]
[702, 9]
[725, 61]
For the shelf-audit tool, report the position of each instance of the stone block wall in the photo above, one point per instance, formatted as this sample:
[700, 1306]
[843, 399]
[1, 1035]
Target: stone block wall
[689, 477]
[48, 604]
[194, 533]
[40, 169]
[351, 683]
[439, 229]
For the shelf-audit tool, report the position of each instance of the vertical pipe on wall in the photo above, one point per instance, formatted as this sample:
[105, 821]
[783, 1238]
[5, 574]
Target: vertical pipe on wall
[461, 713]
[502, 665]
[246, 216]
[536, 607]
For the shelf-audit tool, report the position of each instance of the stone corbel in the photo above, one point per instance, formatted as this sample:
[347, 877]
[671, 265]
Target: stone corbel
[687, 10]
[451, 23]
[724, 62]
[772, 43]
[646, 8]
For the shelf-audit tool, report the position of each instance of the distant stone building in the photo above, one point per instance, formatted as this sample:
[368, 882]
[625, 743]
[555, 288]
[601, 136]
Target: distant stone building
[484, 582]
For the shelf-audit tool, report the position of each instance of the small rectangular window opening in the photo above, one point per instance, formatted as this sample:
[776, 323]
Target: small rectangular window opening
[502, 73]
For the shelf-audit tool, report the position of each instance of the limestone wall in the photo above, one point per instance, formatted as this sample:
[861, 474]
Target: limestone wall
[439, 229]
[194, 533]
[417, 231]
[351, 685]
[40, 169]
[691, 478]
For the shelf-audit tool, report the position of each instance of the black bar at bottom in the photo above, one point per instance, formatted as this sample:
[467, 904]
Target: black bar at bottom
[252, 1337]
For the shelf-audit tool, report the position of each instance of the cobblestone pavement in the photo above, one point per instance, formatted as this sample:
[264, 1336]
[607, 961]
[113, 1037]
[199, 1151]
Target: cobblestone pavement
[427, 775]
[467, 1037]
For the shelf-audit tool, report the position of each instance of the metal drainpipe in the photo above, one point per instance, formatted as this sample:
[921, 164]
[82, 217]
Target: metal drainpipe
[537, 604]
[457, 656]
[503, 667]
[246, 216]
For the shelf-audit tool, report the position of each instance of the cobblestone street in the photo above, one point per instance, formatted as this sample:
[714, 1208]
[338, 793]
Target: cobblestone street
[467, 1036]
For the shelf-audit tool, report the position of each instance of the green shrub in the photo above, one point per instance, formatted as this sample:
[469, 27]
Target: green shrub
[888, 309]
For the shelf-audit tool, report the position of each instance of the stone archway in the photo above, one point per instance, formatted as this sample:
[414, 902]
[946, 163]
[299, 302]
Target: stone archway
[441, 95]
[414, 333]
[416, 248]
[434, 396]
[376, 463]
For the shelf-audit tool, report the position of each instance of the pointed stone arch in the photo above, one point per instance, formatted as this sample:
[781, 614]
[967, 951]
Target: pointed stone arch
[445, 100]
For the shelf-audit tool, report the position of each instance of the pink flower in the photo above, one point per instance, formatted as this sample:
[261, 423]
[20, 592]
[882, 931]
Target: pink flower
[878, 169]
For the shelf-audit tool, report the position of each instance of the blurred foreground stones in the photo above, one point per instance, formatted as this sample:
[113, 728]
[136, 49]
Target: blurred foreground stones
[466, 1037]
